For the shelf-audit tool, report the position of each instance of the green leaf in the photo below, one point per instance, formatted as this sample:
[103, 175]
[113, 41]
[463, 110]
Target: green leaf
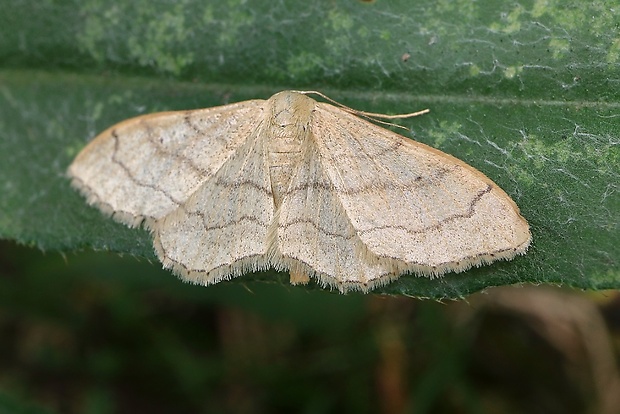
[529, 93]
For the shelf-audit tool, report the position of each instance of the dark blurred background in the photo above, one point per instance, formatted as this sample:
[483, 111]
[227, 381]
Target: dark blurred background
[99, 333]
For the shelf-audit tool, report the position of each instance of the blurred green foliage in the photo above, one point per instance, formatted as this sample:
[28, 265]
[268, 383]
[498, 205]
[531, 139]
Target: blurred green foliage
[96, 333]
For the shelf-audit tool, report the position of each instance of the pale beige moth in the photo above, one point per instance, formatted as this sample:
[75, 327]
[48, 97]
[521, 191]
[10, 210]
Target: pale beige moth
[296, 185]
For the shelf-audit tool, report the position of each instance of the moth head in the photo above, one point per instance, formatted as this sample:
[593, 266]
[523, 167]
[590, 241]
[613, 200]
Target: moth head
[291, 112]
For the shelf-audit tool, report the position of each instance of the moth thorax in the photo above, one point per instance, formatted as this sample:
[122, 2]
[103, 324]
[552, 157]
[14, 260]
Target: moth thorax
[288, 129]
[285, 154]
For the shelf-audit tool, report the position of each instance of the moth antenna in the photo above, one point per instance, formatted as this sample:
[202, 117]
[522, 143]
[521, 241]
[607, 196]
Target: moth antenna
[372, 116]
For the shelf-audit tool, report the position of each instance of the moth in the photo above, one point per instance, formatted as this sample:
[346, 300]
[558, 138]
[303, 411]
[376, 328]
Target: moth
[296, 185]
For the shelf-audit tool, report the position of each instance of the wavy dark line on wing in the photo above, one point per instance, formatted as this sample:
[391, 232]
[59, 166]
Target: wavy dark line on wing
[247, 217]
[417, 182]
[243, 183]
[316, 226]
[131, 175]
[469, 213]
